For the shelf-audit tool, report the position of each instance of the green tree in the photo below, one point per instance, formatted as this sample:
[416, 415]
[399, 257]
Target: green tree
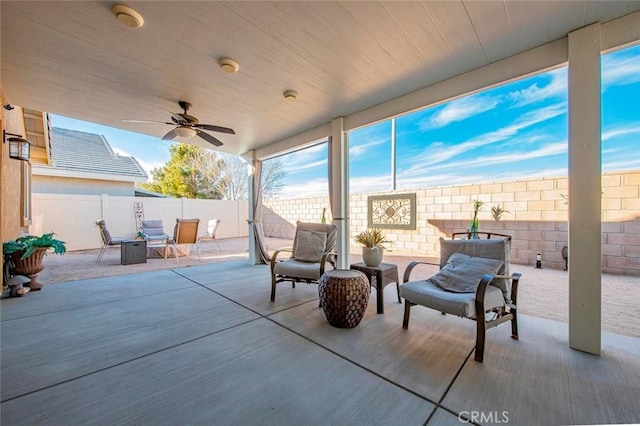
[191, 172]
[195, 172]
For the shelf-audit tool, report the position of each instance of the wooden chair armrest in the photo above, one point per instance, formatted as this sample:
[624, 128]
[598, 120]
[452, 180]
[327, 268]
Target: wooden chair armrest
[411, 266]
[275, 254]
[328, 256]
[486, 280]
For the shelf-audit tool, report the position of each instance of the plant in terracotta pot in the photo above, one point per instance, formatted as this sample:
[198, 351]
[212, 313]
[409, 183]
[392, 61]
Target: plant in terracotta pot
[24, 255]
[372, 250]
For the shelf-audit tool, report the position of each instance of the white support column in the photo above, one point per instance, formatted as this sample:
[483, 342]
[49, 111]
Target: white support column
[254, 255]
[393, 154]
[340, 189]
[585, 190]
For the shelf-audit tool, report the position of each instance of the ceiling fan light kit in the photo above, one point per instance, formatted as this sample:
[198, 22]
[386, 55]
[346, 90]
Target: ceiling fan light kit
[185, 131]
[127, 16]
[228, 65]
[290, 95]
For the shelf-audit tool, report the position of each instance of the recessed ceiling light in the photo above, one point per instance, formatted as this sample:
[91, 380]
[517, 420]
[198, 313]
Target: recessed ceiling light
[290, 95]
[127, 16]
[228, 65]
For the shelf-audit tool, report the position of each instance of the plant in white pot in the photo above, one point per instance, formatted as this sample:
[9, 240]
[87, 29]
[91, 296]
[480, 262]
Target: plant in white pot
[372, 250]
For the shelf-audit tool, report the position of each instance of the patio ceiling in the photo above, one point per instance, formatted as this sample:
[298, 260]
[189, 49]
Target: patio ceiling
[75, 59]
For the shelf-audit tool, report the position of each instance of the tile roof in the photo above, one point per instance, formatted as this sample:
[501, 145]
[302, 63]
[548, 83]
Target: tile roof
[89, 152]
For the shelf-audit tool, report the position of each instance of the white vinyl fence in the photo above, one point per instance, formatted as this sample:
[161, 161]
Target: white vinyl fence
[72, 217]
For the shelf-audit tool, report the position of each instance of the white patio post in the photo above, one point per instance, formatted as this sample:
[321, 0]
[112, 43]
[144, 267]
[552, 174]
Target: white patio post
[585, 164]
[340, 189]
[254, 255]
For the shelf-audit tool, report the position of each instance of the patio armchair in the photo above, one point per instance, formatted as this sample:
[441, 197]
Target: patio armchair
[313, 248]
[153, 231]
[107, 239]
[212, 229]
[184, 232]
[474, 282]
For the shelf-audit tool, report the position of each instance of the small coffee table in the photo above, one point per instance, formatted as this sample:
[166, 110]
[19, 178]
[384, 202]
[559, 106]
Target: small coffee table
[133, 251]
[385, 273]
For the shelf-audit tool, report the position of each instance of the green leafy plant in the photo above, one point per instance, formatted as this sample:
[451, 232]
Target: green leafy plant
[497, 212]
[31, 243]
[370, 238]
[475, 225]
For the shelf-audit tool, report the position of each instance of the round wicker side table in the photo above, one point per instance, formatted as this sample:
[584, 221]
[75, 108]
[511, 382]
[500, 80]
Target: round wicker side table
[344, 295]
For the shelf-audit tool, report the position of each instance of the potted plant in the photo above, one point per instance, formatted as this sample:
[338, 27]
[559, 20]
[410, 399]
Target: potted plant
[372, 250]
[475, 224]
[24, 255]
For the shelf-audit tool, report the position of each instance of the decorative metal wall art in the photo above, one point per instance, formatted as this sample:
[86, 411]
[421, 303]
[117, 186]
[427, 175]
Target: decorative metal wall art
[397, 211]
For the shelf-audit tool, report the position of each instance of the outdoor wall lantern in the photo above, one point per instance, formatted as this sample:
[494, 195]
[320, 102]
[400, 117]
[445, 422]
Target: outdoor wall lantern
[19, 148]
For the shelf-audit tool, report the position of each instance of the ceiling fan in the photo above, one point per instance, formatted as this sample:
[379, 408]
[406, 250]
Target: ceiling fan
[188, 126]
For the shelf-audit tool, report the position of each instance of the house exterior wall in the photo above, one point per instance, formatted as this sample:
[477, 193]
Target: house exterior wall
[11, 188]
[74, 186]
[537, 220]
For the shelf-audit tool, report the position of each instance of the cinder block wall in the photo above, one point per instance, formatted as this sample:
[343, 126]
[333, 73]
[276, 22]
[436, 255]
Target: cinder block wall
[537, 218]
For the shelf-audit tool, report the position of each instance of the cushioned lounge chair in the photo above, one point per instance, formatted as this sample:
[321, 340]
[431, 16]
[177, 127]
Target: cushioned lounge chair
[312, 251]
[474, 282]
[107, 239]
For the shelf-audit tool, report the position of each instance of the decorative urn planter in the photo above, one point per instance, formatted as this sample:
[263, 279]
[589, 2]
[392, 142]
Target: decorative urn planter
[372, 256]
[30, 266]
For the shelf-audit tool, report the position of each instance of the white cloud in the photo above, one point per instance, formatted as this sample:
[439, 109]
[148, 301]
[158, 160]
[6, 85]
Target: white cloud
[620, 165]
[298, 167]
[458, 172]
[512, 157]
[318, 187]
[437, 153]
[458, 110]
[557, 87]
[619, 131]
[359, 185]
[620, 69]
[305, 159]
[356, 150]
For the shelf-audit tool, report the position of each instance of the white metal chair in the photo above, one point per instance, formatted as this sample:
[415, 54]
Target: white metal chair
[212, 229]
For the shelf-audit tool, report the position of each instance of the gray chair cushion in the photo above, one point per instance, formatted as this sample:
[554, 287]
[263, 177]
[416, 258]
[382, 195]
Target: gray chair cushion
[463, 273]
[298, 269]
[310, 246]
[490, 249]
[427, 294]
[152, 227]
[154, 230]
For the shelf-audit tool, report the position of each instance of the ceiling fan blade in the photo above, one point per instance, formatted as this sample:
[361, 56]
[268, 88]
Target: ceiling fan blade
[215, 128]
[207, 137]
[147, 121]
[170, 136]
[178, 119]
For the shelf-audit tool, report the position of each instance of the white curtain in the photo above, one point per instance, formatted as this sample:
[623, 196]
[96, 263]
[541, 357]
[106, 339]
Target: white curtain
[257, 212]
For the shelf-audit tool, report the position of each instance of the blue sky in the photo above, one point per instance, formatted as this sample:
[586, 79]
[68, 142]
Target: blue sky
[514, 131]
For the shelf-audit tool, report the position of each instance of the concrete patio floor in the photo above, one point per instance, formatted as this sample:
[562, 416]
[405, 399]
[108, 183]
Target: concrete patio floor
[542, 292]
[203, 345]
